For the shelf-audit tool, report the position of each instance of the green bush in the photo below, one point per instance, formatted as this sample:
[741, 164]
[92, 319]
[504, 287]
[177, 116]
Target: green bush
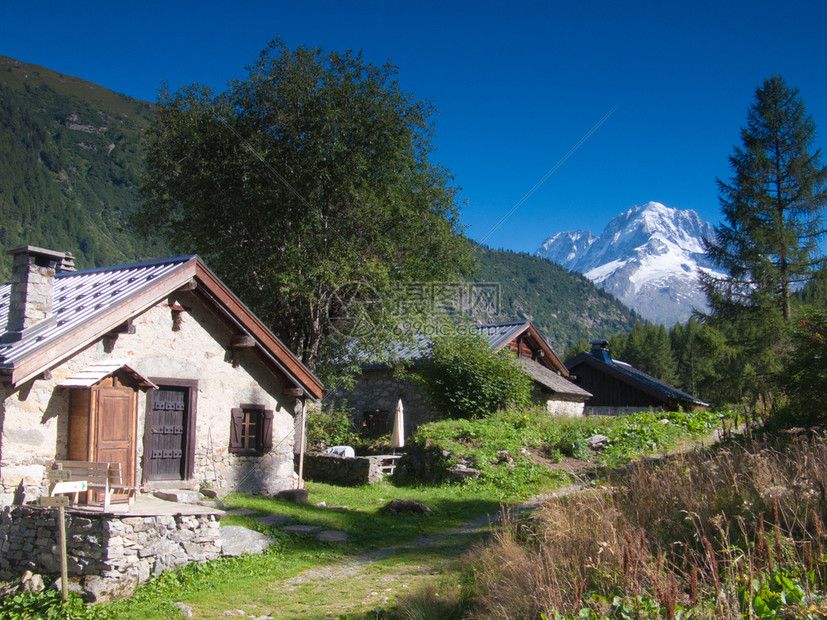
[330, 427]
[467, 379]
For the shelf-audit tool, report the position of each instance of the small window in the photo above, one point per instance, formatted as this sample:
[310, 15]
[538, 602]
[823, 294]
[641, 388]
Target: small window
[251, 430]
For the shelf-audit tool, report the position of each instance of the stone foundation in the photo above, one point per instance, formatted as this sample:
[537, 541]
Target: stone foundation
[118, 549]
[346, 471]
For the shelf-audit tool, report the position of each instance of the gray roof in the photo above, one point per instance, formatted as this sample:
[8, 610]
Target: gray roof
[498, 334]
[554, 382]
[80, 297]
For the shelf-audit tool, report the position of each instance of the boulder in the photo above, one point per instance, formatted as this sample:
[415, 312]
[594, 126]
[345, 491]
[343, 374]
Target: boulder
[598, 442]
[297, 496]
[398, 505]
[460, 472]
[236, 540]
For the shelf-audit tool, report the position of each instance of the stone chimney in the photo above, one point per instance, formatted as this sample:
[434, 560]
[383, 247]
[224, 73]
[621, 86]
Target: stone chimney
[30, 300]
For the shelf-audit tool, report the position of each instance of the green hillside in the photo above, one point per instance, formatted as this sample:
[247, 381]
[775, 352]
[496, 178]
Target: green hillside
[565, 306]
[70, 160]
[71, 155]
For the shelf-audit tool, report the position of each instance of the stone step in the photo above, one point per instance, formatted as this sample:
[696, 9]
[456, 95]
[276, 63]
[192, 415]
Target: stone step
[183, 496]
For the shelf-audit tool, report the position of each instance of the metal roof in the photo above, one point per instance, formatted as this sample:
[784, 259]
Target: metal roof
[79, 297]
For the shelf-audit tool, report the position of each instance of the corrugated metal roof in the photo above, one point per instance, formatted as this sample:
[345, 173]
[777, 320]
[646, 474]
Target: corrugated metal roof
[80, 296]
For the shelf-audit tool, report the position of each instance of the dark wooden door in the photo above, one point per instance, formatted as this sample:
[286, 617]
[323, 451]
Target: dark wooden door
[168, 424]
[115, 430]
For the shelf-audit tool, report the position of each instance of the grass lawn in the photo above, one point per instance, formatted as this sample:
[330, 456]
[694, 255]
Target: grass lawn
[262, 585]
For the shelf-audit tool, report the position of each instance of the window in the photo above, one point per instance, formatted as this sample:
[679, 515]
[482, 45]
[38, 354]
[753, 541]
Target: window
[251, 430]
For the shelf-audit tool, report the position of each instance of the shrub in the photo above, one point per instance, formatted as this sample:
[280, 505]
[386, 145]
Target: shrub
[331, 427]
[467, 379]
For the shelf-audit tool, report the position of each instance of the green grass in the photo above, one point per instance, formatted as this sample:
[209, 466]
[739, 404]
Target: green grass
[256, 583]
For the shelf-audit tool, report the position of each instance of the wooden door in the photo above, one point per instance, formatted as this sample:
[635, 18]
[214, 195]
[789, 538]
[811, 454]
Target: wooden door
[115, 429]
[168, 422]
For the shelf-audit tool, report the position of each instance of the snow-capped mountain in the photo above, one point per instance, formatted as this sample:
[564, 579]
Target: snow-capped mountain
[648, 257]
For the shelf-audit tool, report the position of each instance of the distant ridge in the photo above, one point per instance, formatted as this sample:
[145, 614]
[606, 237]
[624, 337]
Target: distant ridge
[649, 257]
[71, 155]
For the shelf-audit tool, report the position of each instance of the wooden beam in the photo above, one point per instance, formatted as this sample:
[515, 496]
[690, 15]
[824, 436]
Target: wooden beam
[297, 392]
[242, 341]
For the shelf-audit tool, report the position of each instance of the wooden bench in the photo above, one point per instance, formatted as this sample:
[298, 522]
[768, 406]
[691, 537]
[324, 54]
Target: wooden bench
[389, 463]
[104, 478]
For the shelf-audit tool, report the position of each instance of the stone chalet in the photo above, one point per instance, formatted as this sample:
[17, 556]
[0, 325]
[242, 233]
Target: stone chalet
[155, 365]
[618, 387]
[375, 394]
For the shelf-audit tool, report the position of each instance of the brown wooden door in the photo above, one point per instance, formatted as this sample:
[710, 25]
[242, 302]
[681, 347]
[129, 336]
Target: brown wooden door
[168, 420]
[115, 429]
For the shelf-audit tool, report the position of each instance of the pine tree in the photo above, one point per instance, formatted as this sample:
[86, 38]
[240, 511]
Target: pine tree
[772, 208]
[767, 244]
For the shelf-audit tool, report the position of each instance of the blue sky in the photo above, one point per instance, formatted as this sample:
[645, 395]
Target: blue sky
[517, 84]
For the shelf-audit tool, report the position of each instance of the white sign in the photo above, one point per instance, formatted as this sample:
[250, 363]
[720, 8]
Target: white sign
[72, 486]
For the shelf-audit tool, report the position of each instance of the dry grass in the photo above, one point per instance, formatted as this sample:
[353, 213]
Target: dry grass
[691, 533]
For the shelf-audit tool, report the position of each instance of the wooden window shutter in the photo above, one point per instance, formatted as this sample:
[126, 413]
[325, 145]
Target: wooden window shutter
[236, 419]
[265, 435]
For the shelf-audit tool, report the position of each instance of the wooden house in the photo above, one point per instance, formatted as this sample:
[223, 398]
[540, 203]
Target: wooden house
[374, 396]
[618, 387]
[153, 365]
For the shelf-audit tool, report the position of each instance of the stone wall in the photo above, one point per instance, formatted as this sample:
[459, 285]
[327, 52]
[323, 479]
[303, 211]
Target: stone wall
[34, 418]
[379, 389]
[346, 471]
[106, 553]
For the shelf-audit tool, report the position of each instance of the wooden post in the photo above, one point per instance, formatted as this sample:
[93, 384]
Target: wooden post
[60, 501]
[301, 403]
[64, 568]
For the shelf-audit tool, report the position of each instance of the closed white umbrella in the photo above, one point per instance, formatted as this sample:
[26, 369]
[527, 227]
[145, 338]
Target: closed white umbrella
[398, 436]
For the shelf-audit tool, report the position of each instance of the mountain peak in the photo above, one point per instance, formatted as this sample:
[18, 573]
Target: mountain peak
[648, 256]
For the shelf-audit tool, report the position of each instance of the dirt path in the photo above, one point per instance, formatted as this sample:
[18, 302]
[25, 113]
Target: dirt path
[378, 578]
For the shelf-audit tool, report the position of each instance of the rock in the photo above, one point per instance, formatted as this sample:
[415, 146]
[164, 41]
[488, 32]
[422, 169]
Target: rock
[598, 442]
[210, 493]
[274, 519]
[504, 456]
[32, 583]
[321, 505]
[332, 536]
[183, 496]
[297, 496]
[460, 472]
[398, 505]
[300, 530]
[242, 512]
[185, 609]
[237, 540]
[101, 590]
[664, 421]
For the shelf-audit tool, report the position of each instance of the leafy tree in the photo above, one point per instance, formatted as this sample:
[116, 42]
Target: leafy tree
[772, 208]
[467, 379]
[308, 188]
[767, 243]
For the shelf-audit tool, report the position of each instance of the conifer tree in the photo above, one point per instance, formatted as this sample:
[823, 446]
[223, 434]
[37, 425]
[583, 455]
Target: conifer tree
[772, 208]
[767, 243]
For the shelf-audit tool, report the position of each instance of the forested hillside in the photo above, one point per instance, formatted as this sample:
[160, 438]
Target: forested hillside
[70, 160]
[565, 306]
[71, 155]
